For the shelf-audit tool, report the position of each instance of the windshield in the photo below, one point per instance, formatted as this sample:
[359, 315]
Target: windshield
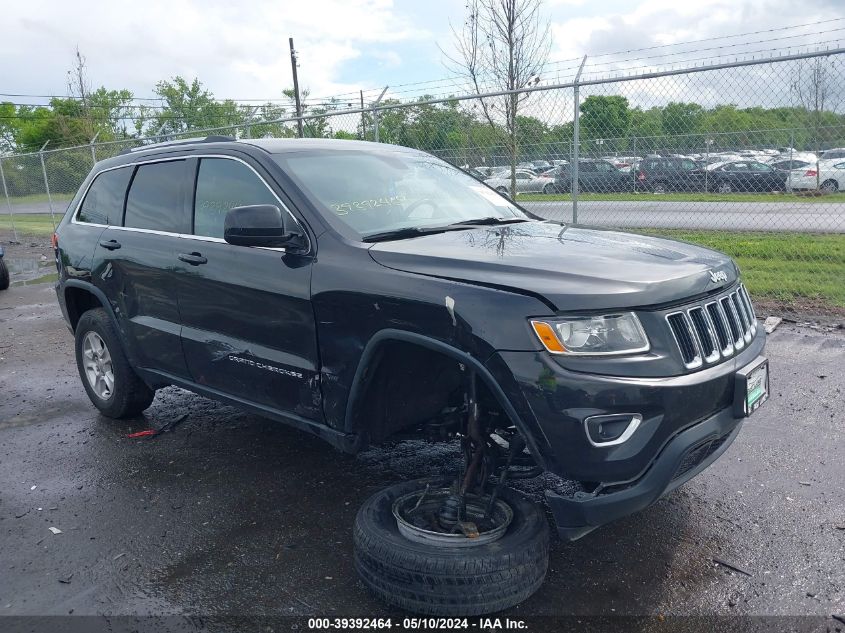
[378, 191]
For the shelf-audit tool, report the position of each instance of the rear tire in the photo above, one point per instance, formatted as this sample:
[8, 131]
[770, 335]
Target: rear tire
[443, 580]
[4, 275]
[124, 394]
[549, 189]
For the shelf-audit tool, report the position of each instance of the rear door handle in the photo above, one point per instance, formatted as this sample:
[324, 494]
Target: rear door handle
[111, 245]
[194, 259]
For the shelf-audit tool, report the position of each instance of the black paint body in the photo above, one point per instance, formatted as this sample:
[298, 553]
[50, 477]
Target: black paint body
[294, 335]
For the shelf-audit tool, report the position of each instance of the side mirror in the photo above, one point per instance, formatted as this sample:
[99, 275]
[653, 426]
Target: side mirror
[261, 225]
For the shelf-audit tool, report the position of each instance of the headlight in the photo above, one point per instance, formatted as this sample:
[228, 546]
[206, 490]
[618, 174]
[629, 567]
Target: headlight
[592, 335]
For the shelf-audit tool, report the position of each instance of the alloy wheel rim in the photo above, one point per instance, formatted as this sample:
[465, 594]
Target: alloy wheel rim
[96, 360]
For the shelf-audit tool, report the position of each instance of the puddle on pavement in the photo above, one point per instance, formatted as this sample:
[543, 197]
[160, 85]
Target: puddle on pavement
[28, 271]
[43, 279]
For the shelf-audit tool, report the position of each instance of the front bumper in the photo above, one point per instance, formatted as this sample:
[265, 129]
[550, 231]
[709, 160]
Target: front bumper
[686, 455]
[687, 422]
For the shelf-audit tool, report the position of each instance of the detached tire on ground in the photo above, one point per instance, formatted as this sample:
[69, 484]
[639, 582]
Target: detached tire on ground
[111, 383]
[447, 580]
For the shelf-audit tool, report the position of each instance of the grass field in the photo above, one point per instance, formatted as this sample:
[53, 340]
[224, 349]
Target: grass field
[34, 224]
[36, 198]
[786, 267]
[683, 197]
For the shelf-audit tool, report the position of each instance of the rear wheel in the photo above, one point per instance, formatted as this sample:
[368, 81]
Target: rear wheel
[550, 188]
[111, 383]
[409, 565]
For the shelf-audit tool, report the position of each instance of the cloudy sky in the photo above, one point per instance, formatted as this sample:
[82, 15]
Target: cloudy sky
[240, 49]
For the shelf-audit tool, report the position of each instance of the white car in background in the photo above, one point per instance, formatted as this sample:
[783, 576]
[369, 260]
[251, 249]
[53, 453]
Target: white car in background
[830, 176]
[526, 182]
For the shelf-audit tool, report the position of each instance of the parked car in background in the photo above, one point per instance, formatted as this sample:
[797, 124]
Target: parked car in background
[661, 174]
[476, 173]
[624, 163]
[788, 165]
[828, 176]
[526, 182]
[838, 152]
[598, 176]
[746, 175]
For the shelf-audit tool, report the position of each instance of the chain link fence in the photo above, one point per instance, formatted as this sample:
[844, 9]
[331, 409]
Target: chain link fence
[745, 157]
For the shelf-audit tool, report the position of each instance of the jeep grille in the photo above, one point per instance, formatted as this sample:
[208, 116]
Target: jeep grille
[714, 330]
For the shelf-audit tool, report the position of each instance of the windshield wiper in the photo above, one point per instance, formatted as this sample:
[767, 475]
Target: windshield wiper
[408, 231]
[416, 231]
[488, 220]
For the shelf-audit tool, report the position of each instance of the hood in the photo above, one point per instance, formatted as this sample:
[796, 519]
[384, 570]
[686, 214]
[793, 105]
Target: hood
[571, 268]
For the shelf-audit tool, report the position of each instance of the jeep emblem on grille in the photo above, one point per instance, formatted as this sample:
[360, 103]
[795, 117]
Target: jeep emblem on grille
[718, 275]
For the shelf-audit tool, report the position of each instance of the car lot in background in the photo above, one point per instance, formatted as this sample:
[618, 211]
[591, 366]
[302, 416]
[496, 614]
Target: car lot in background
[526, 182]
[746, 175]
[598, 176]
[826, 175]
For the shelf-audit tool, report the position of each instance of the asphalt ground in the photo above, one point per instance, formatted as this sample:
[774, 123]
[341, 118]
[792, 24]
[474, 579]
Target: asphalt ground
[231, 515]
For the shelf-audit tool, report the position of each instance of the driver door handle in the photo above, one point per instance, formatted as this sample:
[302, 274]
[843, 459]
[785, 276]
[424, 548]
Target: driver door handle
[111, 245]
[194, 259]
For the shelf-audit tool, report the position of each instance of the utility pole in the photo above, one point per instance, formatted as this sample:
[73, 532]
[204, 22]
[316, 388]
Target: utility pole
[296, 88]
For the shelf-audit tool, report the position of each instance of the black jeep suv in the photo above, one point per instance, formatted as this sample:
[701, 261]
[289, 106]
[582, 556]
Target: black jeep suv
[363, 292]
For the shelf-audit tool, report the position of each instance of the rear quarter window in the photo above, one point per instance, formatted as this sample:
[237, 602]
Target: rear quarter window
[103, 203]
[156, 198]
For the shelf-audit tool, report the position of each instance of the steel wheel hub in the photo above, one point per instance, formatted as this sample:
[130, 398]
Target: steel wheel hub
[96, 361]
[416, 518]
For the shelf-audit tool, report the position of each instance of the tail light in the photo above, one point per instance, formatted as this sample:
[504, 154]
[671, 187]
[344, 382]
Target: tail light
[54, 241]
[811, 172]
[641, 176]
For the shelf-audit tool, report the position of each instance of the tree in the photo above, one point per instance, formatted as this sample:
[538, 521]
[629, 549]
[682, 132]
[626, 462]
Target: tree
[681, 122]
[814, 92]
[192, 107]
[605, 117]
[502, 46]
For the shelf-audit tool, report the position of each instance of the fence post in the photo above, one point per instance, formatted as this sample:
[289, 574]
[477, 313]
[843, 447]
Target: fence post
[375, 115]
[47, 184]
[791, 146]
[93, 151]
[8, 202]
[576, 140]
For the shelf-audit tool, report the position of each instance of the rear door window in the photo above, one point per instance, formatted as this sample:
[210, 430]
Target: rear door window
[103, 203]
[156, 198]
[223, 184]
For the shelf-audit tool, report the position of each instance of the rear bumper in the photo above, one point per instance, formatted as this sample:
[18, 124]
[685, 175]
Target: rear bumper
[686, 455]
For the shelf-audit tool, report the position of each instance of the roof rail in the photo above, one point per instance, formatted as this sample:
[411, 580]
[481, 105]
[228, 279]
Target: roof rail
[183, 141]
